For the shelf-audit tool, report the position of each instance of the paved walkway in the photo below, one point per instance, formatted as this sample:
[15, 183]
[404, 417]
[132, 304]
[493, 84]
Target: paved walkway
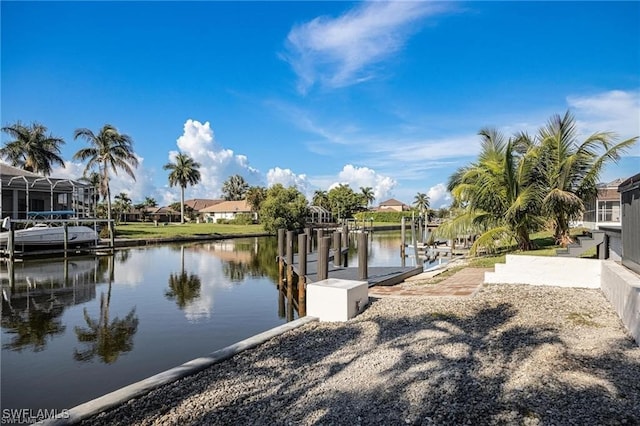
[464, 283]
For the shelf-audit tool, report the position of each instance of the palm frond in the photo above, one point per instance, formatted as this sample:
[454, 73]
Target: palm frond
[491, 240]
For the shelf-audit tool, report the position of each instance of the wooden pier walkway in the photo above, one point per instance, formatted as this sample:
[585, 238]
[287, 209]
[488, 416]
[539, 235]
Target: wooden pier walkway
[376, 275]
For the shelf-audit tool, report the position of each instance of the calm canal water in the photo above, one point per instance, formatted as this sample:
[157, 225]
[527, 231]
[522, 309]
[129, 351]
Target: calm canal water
[75, 330]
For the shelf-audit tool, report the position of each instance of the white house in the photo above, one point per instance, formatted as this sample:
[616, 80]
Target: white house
[226, 210]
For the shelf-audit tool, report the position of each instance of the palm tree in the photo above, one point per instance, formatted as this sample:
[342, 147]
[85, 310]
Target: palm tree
[122, 203]
[321, 199]
[32, 150]
[108, 151]
[98, 190]
[150, 202]
[571, 169]
[183, 172]
[255, 196]
[421, 201]
[234, 188]
[367, 194]
[500, 194]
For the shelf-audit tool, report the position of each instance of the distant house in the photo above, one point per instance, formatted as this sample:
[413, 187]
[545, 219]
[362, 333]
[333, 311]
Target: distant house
[605, 209]
[161, 214]
[198, 204]
[393, 205]
[22, 191]
[226, 210]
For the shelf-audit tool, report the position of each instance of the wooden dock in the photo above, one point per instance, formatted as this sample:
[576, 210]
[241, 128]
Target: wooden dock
[377, 275]
[311, 266]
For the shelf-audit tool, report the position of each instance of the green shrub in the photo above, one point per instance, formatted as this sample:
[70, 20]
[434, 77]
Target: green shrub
[389, 217]
[242, 219]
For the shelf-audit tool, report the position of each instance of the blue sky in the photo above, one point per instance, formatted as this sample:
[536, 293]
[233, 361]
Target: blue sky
[387, 95]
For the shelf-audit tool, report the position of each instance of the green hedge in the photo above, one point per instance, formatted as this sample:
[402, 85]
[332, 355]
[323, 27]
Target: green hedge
[391, 217]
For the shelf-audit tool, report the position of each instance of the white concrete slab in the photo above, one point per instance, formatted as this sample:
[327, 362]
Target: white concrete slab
[547, 270]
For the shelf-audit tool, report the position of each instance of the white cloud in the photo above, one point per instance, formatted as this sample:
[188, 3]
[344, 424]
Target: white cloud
[439, 196]
[613, 111]
[143, 186]
[357, 177]
[431, 149]
[343, 51]
[216, 163]
[288, 178]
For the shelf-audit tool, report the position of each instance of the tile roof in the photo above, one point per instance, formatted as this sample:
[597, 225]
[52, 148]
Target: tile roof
[198, 204]
[228, 207]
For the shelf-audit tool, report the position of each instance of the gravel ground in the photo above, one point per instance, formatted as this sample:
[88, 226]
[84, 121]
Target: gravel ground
[513, 354]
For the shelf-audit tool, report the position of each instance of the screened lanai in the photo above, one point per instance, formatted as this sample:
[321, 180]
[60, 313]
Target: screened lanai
[22, 191]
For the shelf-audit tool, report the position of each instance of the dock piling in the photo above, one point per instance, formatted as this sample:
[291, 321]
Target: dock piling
[281, 245]
[323, 258]
[414, 240]
[363, 255]
[66, 240]
[290, 235]
[403, 240]
[307, 232]
[337, 249]
[10, 243]
[302, 274]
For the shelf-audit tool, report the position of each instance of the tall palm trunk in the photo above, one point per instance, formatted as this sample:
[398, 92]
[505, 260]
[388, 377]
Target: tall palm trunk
[105, 177]
[182, 204]
[524, 243]
[562, 234]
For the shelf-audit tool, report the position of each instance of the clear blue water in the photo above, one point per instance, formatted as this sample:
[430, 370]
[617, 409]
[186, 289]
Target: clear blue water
[75, 330]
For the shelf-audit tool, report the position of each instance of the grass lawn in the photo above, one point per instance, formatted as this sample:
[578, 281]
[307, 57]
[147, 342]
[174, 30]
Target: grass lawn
[148, 230]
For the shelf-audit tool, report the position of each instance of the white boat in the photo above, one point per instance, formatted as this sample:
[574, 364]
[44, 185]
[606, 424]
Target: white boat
[49, 233]
[43, 235]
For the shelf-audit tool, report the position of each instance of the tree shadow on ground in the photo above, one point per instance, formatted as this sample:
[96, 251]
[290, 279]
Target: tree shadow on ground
[435, 368]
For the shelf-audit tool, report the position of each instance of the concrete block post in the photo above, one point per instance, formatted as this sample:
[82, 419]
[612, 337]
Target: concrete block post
[337, 300]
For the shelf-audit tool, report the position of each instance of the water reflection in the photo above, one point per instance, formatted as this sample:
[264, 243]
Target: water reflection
[103, 338]
[244, 258]
[32, 326]
[184, 287]
[35, 295]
